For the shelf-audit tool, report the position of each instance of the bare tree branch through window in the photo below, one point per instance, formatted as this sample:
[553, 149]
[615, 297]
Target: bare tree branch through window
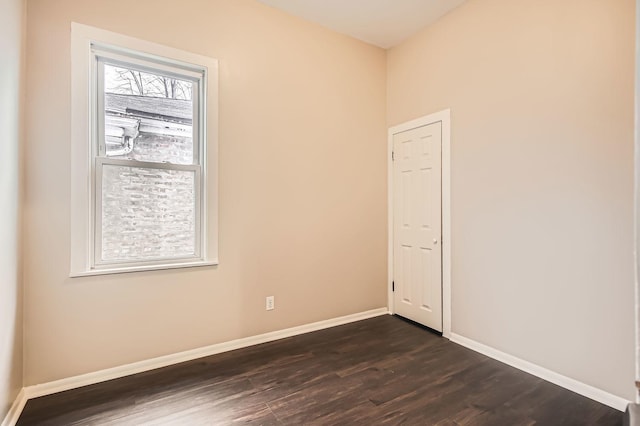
[126, 81]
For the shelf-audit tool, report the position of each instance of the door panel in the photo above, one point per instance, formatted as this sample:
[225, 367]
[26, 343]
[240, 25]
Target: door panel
[405, 273]
[417, 244]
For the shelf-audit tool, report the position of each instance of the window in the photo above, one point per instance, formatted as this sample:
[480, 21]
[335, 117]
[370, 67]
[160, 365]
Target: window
[147, 184]
[146, 145]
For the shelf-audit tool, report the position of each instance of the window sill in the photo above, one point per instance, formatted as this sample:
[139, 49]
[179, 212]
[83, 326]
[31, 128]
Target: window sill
[127, 269]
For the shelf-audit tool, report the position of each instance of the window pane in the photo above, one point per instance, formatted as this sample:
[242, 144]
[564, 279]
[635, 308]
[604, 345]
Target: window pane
[148, 117]
[147, 213]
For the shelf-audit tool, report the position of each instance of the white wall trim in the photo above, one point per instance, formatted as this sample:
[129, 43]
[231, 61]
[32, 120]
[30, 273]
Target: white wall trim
[444, 117]
[16, 409]
[551, 376]
[83, 37]
[164, 361]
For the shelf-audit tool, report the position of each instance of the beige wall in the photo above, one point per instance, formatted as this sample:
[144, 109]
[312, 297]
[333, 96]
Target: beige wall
[541, 97]
[302, 187]
[11, 37]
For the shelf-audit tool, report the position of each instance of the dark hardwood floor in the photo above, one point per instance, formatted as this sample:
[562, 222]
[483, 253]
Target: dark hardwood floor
[378, 371]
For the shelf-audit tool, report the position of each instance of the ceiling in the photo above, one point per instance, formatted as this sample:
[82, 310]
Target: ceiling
[384, 23]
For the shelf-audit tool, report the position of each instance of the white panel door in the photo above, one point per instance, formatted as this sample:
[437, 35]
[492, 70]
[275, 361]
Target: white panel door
[417, 223]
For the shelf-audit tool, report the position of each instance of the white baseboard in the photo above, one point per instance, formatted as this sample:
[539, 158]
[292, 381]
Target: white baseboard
[164, 361]
[16, 409]
[583, 389]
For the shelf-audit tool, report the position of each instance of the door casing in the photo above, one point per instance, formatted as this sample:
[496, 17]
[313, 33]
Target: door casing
[445, 118]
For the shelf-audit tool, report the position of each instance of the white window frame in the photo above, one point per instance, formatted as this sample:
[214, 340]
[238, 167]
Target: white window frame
[102, 55]
[87, 45]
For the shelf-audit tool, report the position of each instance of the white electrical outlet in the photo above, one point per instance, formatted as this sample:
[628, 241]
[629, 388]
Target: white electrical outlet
[271, 303]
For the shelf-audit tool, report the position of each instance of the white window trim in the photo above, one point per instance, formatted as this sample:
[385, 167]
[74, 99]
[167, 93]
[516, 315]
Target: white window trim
[82, 108]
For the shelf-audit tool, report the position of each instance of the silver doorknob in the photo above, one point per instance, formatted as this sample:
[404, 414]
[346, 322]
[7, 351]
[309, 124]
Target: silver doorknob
[435, 241]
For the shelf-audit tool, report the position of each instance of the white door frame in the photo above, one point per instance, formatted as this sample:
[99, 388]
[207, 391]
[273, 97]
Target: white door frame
[444, 117]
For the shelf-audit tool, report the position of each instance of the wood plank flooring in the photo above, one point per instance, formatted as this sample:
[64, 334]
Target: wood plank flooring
[374, 372]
